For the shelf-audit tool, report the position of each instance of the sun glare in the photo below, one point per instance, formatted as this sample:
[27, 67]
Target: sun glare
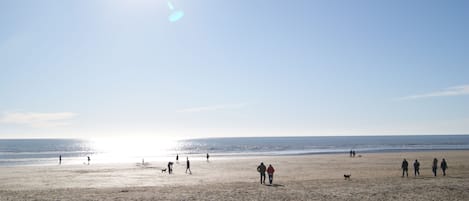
[131, 148]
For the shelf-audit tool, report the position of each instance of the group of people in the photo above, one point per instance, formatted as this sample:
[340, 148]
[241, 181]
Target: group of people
[188, 164]
[60, 160]
[270, 171]
[405, 167]
[352, 153]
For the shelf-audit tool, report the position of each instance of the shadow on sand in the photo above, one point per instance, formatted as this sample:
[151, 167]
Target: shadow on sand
[275, 185]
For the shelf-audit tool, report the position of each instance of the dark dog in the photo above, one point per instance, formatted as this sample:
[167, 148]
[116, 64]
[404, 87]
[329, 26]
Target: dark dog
[347, 176]
[163, 170]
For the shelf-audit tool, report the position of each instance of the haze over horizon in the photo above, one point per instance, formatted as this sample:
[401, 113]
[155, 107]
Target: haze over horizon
[120, 68]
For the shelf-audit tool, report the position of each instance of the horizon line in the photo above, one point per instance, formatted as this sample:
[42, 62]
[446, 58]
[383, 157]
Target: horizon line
[272, 136]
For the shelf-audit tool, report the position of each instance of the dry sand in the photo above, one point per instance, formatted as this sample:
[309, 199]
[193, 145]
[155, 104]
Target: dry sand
[311, 177]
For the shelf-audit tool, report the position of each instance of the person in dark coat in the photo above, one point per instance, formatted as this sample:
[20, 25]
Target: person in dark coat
[188, 166]
[261, 169]
[405, 168]
[416, 168]
[434, 166]
[444, 166]
[170, 167]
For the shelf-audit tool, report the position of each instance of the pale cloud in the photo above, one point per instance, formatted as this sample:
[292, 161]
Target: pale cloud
[451, 91]
[214, 107]
[37, 120]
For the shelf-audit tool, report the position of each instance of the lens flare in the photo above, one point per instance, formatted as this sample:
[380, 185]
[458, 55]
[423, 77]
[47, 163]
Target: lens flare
[175, 15]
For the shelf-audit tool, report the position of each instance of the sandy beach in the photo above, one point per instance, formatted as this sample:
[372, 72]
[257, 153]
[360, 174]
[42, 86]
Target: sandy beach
[375, 176]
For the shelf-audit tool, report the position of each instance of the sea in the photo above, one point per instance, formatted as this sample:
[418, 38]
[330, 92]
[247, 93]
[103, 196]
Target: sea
[42, 152]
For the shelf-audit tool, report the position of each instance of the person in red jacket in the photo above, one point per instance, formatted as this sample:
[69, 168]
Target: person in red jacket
[270, 172]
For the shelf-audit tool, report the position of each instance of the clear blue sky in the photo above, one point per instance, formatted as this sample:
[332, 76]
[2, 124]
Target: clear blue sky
[87, 68]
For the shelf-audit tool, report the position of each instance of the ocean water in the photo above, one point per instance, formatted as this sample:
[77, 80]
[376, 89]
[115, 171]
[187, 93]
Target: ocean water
[15, 152]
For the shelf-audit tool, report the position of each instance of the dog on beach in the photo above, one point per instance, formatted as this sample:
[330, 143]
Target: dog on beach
[347, 176]
[163, 170]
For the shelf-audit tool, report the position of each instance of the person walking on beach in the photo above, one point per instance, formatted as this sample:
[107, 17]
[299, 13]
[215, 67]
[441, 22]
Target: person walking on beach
[443, 166]
[405, 167]
[270, 172]
[208, 156]
[434, 166]
[261, 169]
[177, 158]
[170, 167]
[89, 159]
[188, 166]
[350, 153]
[353, 153]
[60, 159]
[416, 168]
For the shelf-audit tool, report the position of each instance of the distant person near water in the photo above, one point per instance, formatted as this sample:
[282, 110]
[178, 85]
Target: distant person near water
[434, 166]
[208, 156]
[188, 166]
[270, 172]
[177, 158]
[261, 169]
[350, 153]
[443, 166]
[60, 159]
[405, 168]
[353, 153]
[89, 159]
[416, 168]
